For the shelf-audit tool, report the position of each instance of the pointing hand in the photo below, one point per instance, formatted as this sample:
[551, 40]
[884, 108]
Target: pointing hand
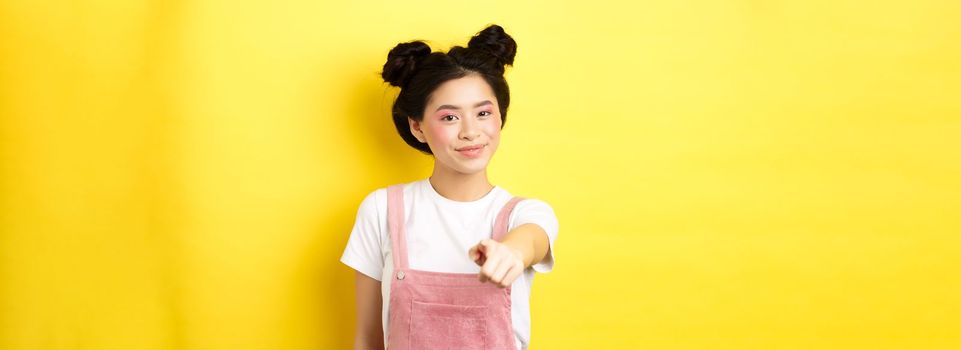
[500, 264]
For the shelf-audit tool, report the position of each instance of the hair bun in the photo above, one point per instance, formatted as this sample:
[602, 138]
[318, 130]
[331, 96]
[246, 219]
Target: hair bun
[402, 61]
[495, 41]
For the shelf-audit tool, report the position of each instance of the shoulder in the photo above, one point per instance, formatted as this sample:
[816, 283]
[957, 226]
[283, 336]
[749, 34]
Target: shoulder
[534, 204]
[535, 211]
[531, 210]
[374, 203]
[374, 197]
[528, 205]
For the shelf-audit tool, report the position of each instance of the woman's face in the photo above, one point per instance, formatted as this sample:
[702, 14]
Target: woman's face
[461, 124]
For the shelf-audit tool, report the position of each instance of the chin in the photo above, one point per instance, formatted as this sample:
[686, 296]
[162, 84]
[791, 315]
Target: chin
[471, 168]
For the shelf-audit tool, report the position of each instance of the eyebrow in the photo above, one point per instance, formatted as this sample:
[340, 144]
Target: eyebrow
[485, 102]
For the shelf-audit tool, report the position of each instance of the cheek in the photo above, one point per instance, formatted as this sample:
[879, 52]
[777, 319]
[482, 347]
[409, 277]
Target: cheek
[493, 128]
[440, 134]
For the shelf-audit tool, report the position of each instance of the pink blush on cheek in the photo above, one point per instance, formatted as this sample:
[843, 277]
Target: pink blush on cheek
[439, 134]
[493, 128]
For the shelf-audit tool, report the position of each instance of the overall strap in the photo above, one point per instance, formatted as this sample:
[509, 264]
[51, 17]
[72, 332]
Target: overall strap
[395, 224]
[500, 224]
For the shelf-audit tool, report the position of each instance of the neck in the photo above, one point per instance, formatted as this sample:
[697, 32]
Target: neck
[458, 186]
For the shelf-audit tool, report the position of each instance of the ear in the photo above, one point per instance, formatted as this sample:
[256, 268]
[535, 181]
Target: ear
[415, 129]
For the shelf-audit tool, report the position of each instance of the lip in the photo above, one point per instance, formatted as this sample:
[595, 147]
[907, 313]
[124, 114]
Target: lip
[474, 151]
[470, 148]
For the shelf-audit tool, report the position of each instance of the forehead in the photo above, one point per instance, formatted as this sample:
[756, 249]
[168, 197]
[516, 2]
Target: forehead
[462, 92]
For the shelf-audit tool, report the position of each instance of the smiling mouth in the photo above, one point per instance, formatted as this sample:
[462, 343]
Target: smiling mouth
[470, 148]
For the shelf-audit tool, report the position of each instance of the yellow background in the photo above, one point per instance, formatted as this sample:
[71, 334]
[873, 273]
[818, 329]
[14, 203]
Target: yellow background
[727, 174]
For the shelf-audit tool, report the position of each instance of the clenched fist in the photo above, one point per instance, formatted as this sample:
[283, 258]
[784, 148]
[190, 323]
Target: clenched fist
[500, 263]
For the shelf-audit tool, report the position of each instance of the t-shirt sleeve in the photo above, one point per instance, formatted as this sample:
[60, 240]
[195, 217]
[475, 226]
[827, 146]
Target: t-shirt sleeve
[363, 252]
[534, 211]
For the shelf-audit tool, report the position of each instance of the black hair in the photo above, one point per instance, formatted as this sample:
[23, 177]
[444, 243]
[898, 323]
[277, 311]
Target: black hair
[417, 71]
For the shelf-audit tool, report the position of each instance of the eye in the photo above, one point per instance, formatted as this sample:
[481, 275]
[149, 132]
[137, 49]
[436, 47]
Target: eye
[485, 114]
[449, 117]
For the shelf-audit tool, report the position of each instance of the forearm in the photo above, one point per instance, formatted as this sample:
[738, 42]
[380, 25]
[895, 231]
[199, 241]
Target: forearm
[369, 334]
[530, 240]
[368, 343]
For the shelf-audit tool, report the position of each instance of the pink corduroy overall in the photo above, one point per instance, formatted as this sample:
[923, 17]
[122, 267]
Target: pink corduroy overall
[438, 310]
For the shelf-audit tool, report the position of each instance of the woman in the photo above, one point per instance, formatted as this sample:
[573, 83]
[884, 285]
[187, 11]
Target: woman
[447, 262]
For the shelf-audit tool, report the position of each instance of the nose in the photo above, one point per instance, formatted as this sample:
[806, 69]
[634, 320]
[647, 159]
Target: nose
[469, 130]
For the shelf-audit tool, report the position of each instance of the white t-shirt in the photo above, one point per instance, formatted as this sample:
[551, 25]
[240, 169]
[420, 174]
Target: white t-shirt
[440, 231]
